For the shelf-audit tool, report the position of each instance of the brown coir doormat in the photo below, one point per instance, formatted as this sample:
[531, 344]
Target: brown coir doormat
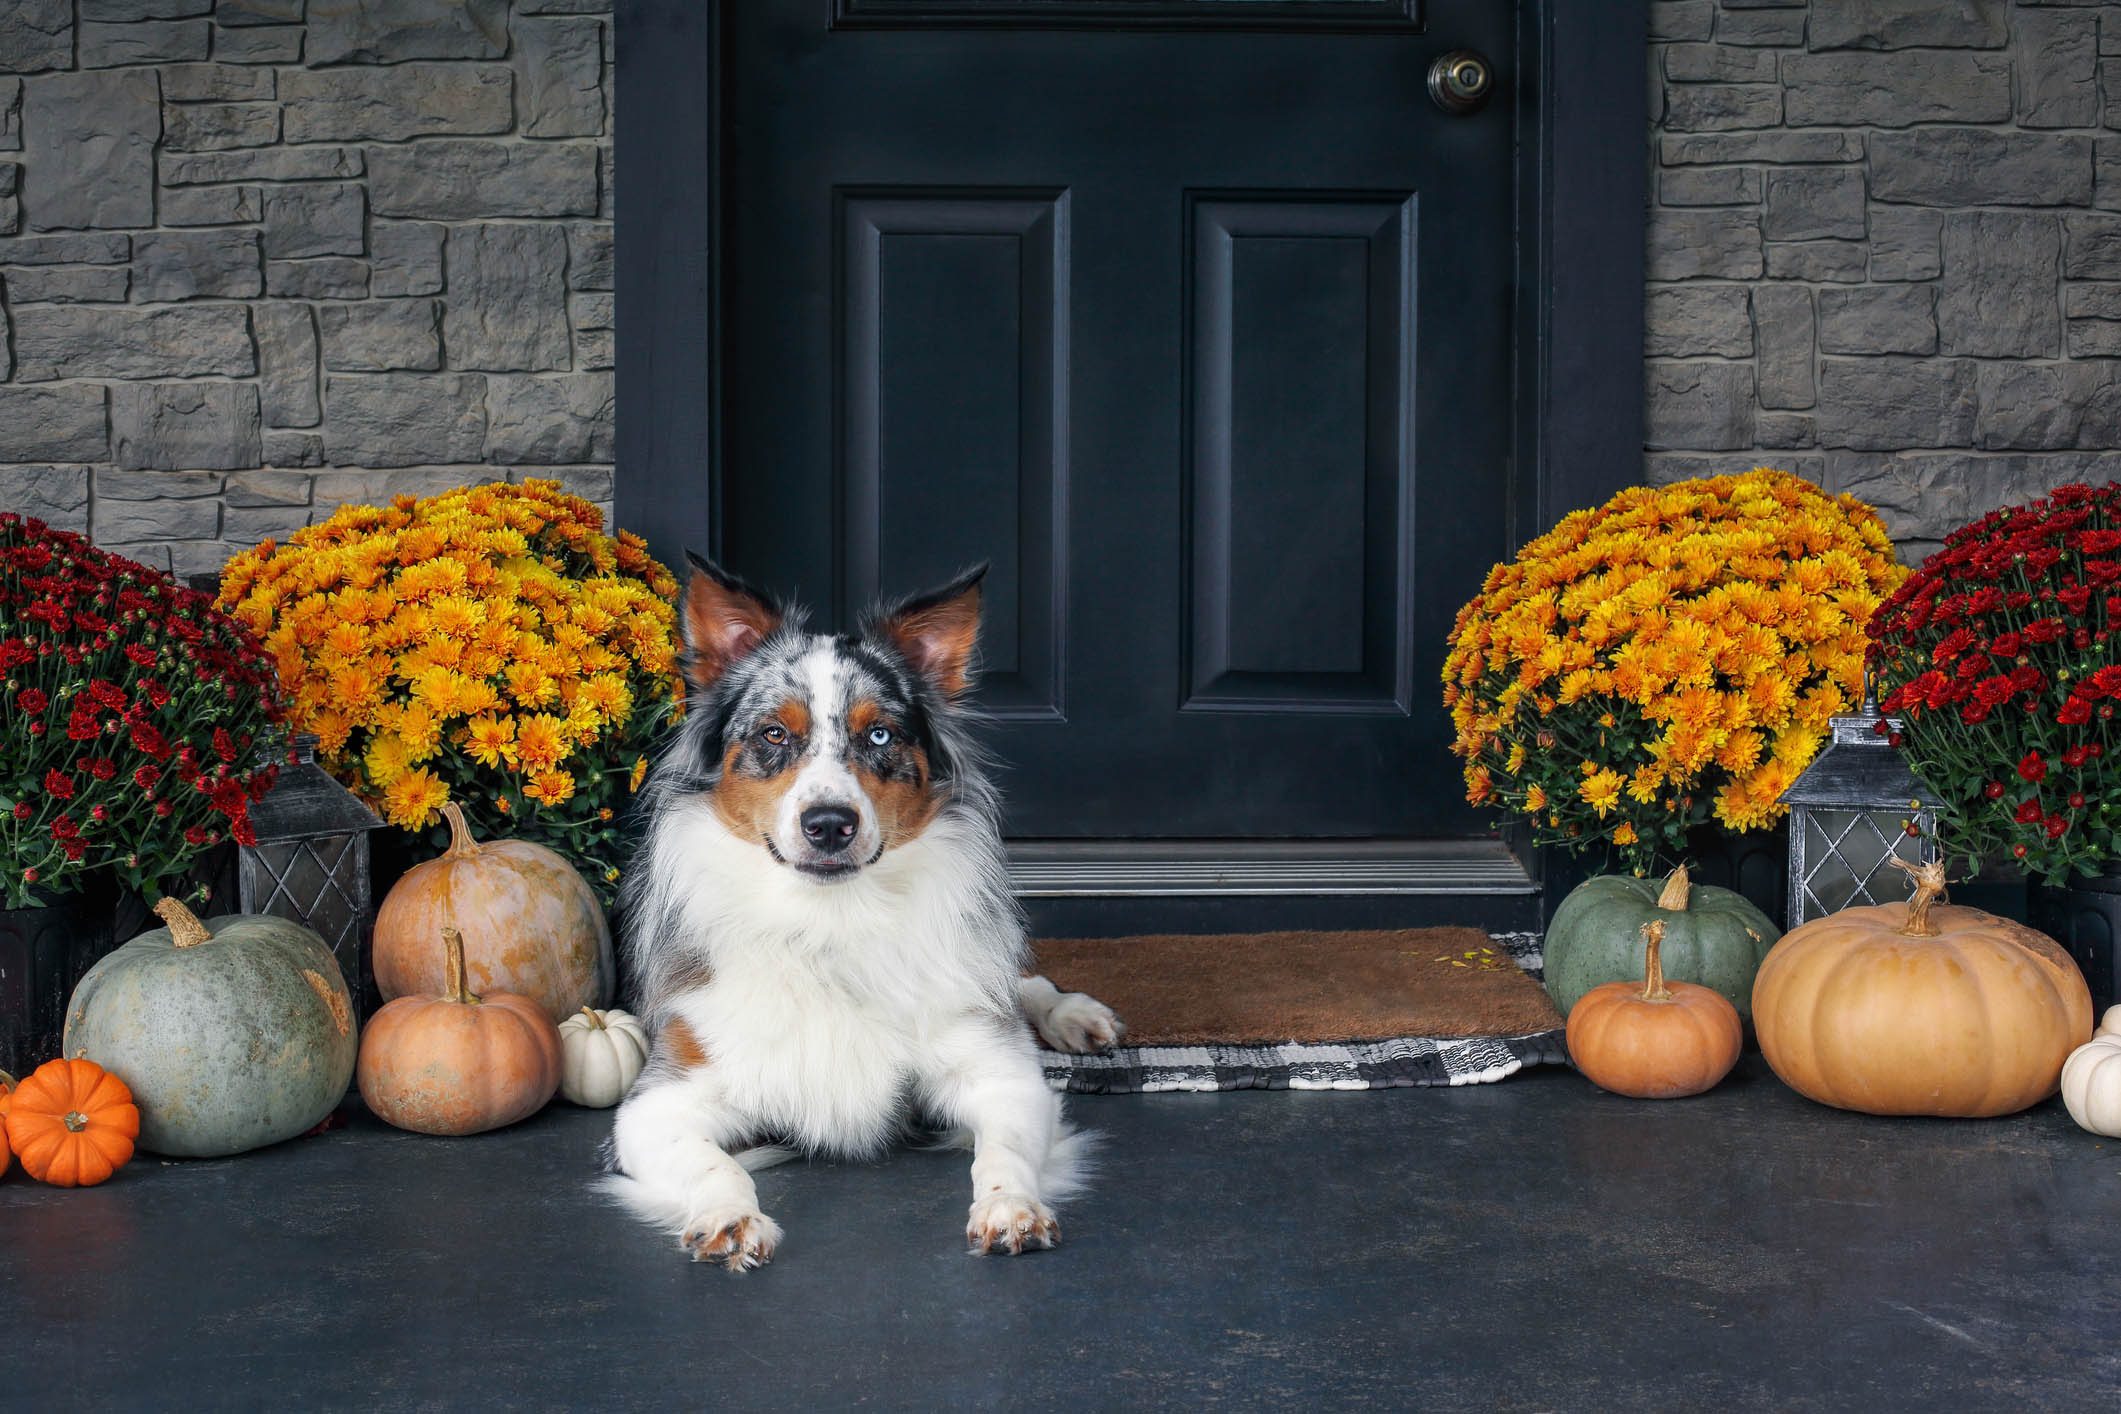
[1251, 989]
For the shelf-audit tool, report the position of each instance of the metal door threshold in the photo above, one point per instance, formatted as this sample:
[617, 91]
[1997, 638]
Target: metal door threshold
[1261, 868]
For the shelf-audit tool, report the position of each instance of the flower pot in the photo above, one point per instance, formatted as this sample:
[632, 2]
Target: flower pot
[1755, 864]
[2085, 917]
[43, 952]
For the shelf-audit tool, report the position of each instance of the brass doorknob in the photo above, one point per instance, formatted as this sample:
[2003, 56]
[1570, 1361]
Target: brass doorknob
[1460, 81]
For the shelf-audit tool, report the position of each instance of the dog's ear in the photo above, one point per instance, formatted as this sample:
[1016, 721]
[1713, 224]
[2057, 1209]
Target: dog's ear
[937, 630]
[722, 619]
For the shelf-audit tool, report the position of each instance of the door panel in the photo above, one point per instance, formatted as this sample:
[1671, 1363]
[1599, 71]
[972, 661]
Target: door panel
[1145, 318]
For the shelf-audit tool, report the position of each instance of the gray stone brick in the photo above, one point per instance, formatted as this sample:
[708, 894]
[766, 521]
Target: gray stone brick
[1975, 166]
[407, 258]
[10, 198]
[1713, 107]
[454, 179]
[595, 349]
[185, 426]
[589, 257]
[1765, 27]
[1718, 63]
[1901, 24]
[595, 312]
[1878, 319]
[280, 44]
[1683, 149]
[10, 115]
[56, 495]
[2106, 173]
[210, 127]
[257, 12]
[61, 424]
[304, 221]
[2094, 338]
[1905, 243]
[36, 35]
[2045, 406]
[560, 64]
[370, 486]
[1897, 89]
[120, 11]
[66, 284]
[1886, 404]
[1681, 321]
[98, 341]
[1996, 298]
[249, 490]
[1824, 261]
[287, 364]
[549, 420]
[375, 336]
[2057, 59]
[1698, 406]
[211, 206]
[260, 523]
[607, 177]
[181, 265]
[328, 277]
[2093, 246]
[2091, 301]
[1709, 186]
[118, 484]
[86, 249]
[215, 83]
[392, 31]
[1785, 430]
[1668, 467]
[154, 42]
[273, 164]
[293, 448]
[1922, 496]
[1783, 333]
[90, 141]
[1682, 19]
[394, 103]
[156, 523]
[1815, 203]
[505, 311]
[1716, 242]
[2109, 32]
[403, 419]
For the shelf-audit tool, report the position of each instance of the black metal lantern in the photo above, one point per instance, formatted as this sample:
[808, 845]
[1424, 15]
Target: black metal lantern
[1856, 808]
[311, 863]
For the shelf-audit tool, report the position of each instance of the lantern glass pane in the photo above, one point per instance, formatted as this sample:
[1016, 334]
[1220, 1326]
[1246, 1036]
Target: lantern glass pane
[1846, 854]
[321, 883]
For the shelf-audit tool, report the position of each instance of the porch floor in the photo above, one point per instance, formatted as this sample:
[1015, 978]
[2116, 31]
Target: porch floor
[1527, 1245]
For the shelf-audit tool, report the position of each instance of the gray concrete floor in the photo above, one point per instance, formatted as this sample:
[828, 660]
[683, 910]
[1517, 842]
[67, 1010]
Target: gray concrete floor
[1524, 1246]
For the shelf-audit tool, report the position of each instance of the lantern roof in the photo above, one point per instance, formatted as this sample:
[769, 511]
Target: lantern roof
[1860, 770]
[306, 802]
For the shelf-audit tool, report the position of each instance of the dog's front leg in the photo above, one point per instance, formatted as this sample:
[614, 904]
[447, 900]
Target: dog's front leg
[671, 1136]
[990, 1085]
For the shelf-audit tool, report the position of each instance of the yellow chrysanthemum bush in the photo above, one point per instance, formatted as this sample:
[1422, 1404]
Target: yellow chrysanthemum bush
[1670, 657]
[490, 646]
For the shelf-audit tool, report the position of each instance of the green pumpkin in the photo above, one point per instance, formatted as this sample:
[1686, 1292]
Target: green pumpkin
[1712, 937]
[231, 1034]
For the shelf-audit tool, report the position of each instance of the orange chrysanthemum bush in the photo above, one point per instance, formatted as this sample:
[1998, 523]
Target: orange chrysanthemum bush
[1670, 657]
[491, 646]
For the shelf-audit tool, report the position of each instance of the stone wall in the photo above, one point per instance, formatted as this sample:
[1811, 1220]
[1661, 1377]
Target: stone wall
[260, 257]
[1885, 247]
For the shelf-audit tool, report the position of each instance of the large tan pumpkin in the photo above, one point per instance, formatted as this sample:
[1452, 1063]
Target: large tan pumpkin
[1920, 1008]
[531, 925]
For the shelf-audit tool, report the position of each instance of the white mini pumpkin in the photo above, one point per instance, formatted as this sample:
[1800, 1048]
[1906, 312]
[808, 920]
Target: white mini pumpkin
[600, 1054]
[2091, 1078]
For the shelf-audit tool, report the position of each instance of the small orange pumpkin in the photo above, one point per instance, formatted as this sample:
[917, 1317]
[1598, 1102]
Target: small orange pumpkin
[458, 1063]
[1920, 1008]
[1655, 1041]
[72, 1123]
[7, 1100]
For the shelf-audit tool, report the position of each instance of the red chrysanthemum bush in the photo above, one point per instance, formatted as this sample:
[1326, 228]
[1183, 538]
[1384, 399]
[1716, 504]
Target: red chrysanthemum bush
[1998, 655]
[128, 710]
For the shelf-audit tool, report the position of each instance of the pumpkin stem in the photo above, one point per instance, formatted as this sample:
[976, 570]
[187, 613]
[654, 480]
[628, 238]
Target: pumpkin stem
[1673, 899]
[594, 1019]
[7, 1082]
[453, 988]
[75, 1121]
[1653, 988]
[185, 929]
[1929, 888]
[461, 841]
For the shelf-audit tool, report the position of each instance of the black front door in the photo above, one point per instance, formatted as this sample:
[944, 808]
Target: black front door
[1199, 335]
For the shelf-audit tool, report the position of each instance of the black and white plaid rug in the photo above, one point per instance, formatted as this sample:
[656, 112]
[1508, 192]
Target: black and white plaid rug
[1361, 1065]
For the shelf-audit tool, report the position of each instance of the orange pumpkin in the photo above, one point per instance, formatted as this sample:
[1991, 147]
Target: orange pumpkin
[72, 1123]
[7, 1100]
[531, 925]
[458, 1063]
[1920, 1008]
[1656, 1041]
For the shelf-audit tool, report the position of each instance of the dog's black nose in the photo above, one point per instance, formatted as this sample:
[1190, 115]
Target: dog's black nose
[830, 827]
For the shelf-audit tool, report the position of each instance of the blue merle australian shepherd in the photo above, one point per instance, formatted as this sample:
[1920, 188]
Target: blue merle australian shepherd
[821, 933]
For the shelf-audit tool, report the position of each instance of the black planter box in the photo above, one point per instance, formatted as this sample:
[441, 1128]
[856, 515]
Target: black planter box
[43, 952]
[2085, 918]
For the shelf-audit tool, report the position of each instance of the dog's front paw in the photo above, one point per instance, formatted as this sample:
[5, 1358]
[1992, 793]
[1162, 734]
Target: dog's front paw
[738, 1239]
[1079, 1023]
[1012, 1222]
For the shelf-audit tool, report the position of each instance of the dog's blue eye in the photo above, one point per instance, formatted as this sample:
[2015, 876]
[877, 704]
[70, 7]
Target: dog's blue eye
[880, 736]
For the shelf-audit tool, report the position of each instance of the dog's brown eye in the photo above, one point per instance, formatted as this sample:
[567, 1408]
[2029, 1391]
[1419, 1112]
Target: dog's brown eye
[775, 736]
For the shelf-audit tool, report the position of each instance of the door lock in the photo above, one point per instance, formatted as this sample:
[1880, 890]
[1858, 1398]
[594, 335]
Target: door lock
[1460, 81]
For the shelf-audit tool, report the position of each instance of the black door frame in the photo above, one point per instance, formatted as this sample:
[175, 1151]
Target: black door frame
[1581, 175]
